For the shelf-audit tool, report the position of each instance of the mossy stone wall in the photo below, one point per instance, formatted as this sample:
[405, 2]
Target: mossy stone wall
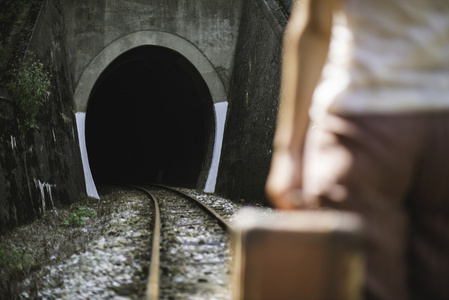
[41, 167]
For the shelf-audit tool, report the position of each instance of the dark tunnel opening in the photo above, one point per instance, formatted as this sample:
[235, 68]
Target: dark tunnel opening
[150, 118]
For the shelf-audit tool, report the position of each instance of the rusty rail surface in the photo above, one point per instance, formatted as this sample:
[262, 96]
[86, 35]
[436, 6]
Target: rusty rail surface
[225, 224]
[152, 292]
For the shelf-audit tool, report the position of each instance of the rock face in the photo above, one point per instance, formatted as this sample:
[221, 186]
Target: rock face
[253, 101]
[41, 167]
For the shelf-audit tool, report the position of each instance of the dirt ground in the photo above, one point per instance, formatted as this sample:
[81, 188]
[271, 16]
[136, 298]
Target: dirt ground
[27, 251]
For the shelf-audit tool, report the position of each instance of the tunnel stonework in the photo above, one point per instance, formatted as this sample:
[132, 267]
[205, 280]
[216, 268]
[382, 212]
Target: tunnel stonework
[253, 102]
[233, 45]
[212, 26]
[146, 38]
[204, 32]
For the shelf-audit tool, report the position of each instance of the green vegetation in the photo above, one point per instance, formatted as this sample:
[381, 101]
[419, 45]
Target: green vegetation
[79, 216]
[15, 259]
[25, 250]
[31, 86]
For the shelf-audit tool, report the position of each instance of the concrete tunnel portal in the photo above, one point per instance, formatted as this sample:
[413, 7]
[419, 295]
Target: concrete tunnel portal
[150, 118]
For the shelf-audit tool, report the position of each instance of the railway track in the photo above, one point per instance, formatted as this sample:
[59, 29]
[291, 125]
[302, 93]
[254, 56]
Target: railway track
[190, 258]
[174, 248]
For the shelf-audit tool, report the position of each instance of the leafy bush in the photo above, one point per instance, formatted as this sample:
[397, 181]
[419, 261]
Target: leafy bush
[79, 216]
[15, 259]
[31, 88]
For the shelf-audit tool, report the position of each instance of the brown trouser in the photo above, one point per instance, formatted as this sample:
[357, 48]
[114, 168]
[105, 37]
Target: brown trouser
[394, 171]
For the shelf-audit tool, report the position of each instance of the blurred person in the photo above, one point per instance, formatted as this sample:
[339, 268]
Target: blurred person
[374, 78]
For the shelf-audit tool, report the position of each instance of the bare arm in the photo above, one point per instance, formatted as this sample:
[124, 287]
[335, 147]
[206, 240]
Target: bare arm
[306, 43]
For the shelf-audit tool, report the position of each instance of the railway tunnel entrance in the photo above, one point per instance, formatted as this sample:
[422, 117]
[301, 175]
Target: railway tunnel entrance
[150, 118]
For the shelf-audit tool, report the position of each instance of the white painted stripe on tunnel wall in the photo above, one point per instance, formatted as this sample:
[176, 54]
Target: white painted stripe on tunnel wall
[221, 109]
[90, 184]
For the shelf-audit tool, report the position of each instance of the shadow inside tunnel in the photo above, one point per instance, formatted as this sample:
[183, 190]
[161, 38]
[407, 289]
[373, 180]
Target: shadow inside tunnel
[150, 118]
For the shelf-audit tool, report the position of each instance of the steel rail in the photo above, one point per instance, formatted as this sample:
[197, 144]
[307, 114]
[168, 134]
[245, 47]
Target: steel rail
[225, 224]
[152, 292]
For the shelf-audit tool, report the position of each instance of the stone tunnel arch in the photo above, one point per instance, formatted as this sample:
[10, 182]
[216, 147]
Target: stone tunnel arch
[189, 63]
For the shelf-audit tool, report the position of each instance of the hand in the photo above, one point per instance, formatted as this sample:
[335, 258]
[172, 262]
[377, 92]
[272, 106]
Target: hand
[284, 181]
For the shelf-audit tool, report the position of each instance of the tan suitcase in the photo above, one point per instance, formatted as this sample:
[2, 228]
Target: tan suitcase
[297, 255]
